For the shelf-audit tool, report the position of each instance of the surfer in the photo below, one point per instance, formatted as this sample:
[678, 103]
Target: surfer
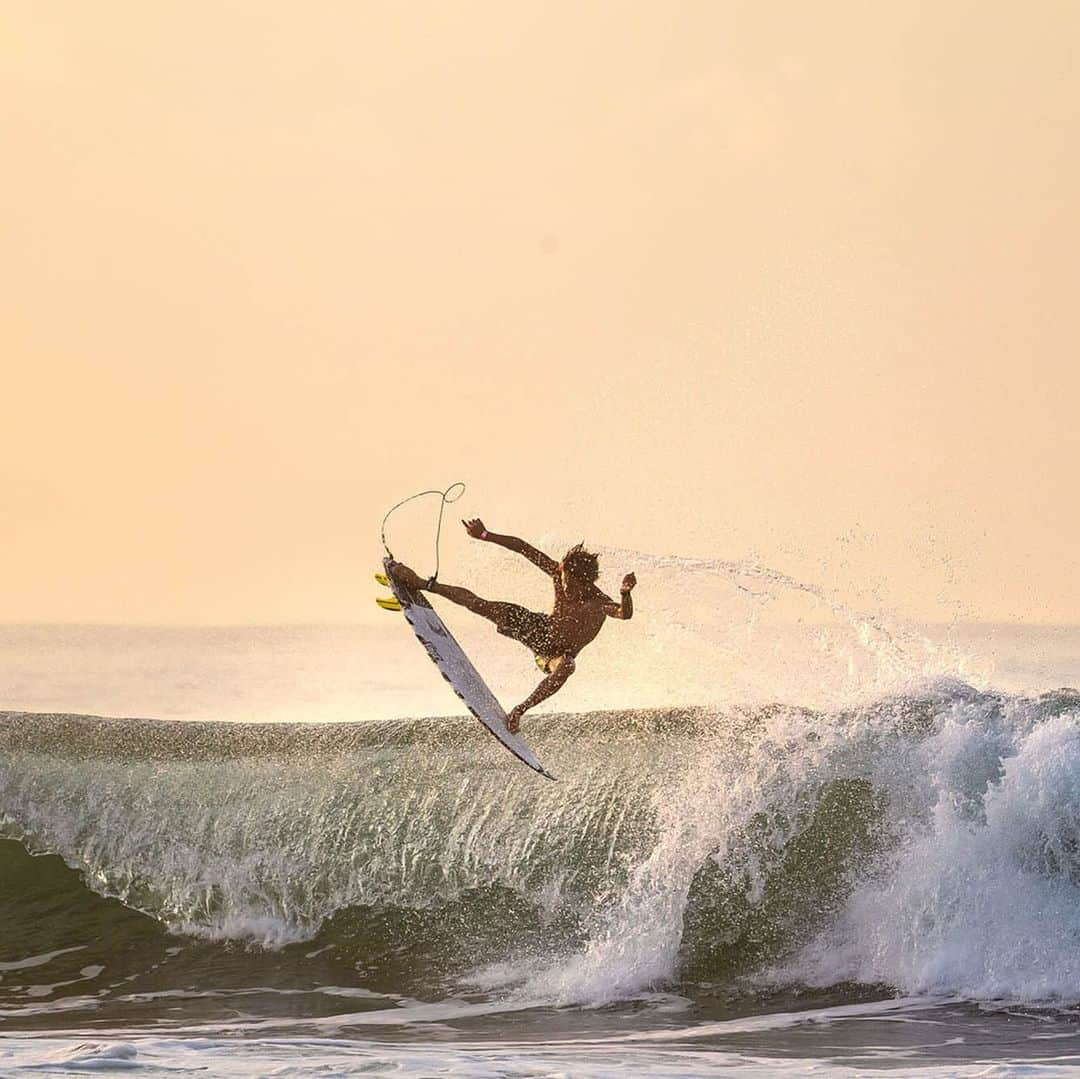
[577, 616]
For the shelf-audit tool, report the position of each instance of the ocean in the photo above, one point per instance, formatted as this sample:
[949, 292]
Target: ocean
[283, 851]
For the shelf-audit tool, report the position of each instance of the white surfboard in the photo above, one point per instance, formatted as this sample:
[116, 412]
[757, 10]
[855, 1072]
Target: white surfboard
[458, 670]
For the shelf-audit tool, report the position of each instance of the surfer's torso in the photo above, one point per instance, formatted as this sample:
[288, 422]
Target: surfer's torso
[577, 617]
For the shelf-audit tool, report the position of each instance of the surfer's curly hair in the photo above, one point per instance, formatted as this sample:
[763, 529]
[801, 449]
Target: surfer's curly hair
[581, 564]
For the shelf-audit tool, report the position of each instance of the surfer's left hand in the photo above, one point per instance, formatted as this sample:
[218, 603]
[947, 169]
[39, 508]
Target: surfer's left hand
[475, 528]
[628, 582]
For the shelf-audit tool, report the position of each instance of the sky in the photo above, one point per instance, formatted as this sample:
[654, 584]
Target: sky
[782, 282]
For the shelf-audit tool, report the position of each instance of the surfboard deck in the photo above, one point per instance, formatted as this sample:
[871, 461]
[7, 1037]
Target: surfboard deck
[457, 669]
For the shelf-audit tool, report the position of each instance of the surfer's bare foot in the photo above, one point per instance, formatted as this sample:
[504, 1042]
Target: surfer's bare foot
[513, 720]
[406, 577]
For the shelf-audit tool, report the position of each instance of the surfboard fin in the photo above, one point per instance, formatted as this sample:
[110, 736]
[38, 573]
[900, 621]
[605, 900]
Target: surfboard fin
[388, 603]
[381, 578]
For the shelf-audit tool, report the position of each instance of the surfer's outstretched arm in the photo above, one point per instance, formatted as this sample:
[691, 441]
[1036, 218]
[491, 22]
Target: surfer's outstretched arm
[564, 666]
[476, 529]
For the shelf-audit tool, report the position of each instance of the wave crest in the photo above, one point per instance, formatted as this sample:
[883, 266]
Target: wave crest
[884, 844]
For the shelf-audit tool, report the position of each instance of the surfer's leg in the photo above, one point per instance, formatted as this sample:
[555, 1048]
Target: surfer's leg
[560, 668]
[486, 608]
[522, 625]
[411, 580]
[518, 623]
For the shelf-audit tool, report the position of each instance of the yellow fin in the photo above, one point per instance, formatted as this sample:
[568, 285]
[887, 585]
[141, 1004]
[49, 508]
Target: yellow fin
[388, 603]
[382, 579]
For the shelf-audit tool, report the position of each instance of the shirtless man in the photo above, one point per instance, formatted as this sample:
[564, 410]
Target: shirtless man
[556, 639]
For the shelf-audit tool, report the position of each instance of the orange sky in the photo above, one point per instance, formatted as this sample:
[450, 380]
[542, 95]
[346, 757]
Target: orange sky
[785, 280]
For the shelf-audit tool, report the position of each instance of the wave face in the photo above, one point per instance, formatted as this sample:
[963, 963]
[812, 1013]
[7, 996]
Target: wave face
[927, 842]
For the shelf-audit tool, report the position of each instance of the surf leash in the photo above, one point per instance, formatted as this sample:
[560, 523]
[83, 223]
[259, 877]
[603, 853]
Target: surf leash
[451, 494]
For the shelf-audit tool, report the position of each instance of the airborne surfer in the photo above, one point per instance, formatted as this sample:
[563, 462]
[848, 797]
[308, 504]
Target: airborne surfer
[577, 616]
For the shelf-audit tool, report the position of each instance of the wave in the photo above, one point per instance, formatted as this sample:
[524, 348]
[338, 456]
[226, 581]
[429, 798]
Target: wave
[928, 841]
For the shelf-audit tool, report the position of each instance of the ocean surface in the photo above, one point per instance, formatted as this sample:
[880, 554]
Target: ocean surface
[821, 846]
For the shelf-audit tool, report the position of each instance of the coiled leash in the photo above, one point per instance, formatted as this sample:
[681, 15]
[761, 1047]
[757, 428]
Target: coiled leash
[445, 499]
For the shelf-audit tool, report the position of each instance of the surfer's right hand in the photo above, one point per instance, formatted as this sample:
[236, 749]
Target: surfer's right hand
[475, 528]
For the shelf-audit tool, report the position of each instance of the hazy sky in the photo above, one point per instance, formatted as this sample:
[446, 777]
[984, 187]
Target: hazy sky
[791, 281]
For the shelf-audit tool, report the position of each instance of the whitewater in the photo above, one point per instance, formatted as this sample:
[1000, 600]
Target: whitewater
[806, 838]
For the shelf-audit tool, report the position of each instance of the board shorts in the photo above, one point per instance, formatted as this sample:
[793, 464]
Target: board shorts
[532, 630]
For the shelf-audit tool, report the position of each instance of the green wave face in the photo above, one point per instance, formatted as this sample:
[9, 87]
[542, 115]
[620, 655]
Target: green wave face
[679, 846]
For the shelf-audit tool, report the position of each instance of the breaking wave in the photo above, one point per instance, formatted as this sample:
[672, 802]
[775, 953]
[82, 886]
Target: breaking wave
[929, 842]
